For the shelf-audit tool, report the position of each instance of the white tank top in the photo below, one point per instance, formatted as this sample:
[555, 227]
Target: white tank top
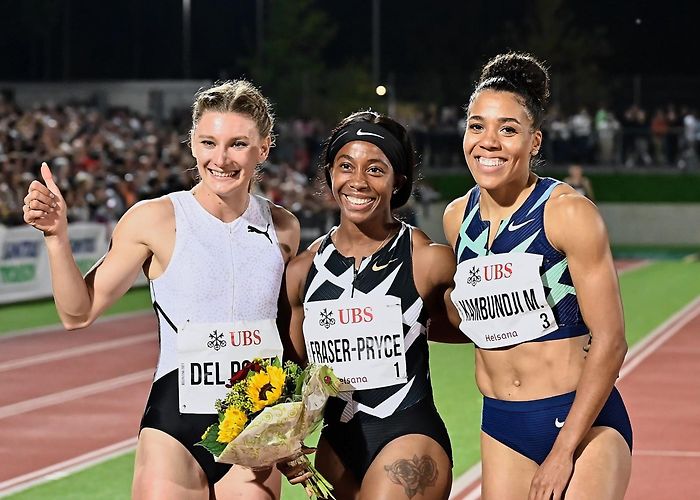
[218, 272]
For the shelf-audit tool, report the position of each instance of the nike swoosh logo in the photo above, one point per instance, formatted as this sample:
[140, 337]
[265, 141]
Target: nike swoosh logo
[360, 132]
[375, 267]
[558, 424]
[514, 227]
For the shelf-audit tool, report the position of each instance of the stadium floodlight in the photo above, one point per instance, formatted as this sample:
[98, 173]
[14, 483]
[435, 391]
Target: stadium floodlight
[381, 90]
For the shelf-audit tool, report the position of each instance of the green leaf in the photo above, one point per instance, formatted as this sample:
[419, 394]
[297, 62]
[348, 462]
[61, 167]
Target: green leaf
[209, 441]
[300, 383]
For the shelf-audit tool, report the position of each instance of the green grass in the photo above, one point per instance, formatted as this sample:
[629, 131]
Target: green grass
[650, 295]
[656, 252]
[110, 480]
[653, 293]
[39, 313]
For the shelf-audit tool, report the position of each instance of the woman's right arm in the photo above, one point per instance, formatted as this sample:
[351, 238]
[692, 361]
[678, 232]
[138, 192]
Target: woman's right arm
[451, 222]
[452, 219]
[80, 301]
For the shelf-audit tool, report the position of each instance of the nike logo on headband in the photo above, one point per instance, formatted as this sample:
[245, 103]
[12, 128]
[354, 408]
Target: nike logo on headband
[360, 132]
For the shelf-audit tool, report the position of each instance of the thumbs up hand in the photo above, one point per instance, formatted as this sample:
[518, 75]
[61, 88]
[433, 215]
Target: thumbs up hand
[44, 206]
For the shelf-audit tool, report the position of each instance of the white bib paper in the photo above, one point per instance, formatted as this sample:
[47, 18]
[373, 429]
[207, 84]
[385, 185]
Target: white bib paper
[360, 338]
[210, 353]
[501, 301]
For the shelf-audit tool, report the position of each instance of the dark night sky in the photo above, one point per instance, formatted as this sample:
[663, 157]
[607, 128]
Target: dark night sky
[142, 39]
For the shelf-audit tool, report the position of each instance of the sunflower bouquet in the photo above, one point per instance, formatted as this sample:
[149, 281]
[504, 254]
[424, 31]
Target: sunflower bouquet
[269, 409]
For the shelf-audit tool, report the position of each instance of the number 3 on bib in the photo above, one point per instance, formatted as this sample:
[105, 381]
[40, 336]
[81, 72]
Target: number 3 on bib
[545, 320]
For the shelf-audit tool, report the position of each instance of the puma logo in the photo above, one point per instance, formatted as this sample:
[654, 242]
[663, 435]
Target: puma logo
[253, 229]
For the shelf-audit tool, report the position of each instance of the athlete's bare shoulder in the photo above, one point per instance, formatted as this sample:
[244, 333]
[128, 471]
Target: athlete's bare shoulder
[299, 266]
[566, 204]
[287, 229]
[282, 217]
[433, 263]
[452, 218]
[297, 271]
[423, 244]
[147, 219]
[455, 208]
[570, 216]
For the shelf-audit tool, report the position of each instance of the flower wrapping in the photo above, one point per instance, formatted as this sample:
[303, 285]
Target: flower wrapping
[268, 412]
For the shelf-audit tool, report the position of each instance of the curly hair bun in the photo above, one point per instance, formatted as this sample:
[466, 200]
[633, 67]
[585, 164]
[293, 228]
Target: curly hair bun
[527, 75]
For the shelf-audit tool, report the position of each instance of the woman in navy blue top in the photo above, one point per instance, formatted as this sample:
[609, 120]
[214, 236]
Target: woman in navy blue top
[537, 292]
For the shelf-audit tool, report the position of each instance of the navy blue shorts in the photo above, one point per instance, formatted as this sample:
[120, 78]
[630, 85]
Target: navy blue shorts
[531, 427]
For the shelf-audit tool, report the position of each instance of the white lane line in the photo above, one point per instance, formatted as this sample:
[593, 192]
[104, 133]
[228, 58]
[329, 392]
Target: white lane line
[75, 351]
[655, 339]
[667, 453]
[66, 467]
[475, 494]
[58, 327]
[76, 393]
[636, 355]
[633, 266]
[466, 479]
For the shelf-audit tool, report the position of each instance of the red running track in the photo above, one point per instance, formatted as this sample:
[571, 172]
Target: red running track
[67, 394]
[662, 395]
[660, 385]
[64, 395]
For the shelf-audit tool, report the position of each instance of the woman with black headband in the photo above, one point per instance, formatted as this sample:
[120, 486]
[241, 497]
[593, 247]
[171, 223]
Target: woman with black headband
[363, 295]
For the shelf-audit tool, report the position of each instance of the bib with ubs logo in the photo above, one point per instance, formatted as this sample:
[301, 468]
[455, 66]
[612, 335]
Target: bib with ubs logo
[518, 289]
[361, 339]
[501, 301]
[210, 353]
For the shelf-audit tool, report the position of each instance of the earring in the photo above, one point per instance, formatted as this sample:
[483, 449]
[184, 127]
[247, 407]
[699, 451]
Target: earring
[396, 190]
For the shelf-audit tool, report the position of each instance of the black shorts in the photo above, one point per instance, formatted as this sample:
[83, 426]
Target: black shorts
[163, 413]
[358, 442]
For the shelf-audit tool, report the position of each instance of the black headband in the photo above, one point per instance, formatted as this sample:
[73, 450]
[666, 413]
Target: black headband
[374, 134]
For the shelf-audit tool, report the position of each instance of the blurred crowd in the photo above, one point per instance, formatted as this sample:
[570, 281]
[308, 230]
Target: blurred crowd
[666, 137]
[105, 162]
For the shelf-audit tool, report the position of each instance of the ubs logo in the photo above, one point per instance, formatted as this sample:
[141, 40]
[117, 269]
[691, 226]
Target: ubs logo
[216, 340]
[498, 271]
[245, 338]
[347, 316]
[355, 315]
[327, 320]
[474, 276]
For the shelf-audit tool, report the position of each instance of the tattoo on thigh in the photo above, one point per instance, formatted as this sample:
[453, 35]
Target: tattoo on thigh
[414, 475]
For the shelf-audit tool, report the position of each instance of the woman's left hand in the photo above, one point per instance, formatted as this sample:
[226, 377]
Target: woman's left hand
[552, 477]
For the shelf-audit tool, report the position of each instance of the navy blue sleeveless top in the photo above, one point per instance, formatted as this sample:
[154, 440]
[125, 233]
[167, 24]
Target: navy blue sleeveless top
[524, 232]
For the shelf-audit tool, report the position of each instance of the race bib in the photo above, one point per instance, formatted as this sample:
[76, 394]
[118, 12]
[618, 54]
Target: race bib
[210, 353]
[360, 338]
[501, 301]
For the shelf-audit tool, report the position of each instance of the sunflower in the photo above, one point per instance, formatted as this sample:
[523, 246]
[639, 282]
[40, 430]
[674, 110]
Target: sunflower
[265, 387]
[231, 426]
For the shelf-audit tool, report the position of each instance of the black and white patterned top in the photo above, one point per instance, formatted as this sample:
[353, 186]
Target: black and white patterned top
[389, 271]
